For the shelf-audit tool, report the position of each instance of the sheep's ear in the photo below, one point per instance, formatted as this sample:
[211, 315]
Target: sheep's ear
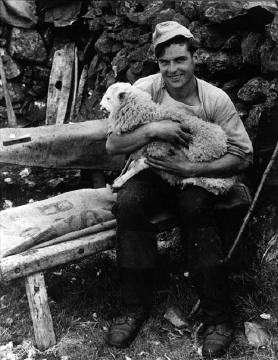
[122, 95]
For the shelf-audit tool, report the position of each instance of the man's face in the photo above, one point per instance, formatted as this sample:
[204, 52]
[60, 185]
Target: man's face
[176, 66]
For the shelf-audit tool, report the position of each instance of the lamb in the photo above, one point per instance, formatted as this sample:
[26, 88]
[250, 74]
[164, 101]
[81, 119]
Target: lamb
[130, 107]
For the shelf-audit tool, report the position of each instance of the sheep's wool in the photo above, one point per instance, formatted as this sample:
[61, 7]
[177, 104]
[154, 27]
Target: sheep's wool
[130, 107]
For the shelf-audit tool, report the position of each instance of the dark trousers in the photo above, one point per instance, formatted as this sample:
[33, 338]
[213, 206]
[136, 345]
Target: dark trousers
[141, 198]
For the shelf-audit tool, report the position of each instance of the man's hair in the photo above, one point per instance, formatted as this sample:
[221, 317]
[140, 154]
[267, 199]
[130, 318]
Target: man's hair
[179, 39]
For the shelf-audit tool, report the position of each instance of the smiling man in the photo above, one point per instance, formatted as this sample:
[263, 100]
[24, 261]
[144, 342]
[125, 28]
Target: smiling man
[143, 196]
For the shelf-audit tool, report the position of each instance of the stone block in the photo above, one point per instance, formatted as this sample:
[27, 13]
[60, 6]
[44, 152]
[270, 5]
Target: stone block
[27, 45]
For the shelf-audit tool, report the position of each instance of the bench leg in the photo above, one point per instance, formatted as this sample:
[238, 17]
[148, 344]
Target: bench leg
[40, 312]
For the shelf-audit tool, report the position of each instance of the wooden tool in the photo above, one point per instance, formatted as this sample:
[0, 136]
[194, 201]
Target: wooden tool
[254, 202]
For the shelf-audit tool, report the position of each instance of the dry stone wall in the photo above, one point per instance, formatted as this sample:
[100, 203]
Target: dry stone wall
[237, 50]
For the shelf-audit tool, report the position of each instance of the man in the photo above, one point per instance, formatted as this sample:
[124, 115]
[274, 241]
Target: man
[146, 194]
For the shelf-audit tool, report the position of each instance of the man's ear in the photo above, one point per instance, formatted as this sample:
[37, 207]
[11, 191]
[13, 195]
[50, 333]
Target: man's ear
[122, 95]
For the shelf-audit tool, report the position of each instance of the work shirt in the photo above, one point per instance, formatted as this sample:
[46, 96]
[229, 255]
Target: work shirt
[216, 107]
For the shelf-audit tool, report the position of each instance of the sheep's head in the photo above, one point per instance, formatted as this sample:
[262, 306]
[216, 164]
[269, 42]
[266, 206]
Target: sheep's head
[117, 94]
[114, 96]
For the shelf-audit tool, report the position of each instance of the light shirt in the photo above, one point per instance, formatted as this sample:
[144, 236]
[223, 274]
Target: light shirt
[216, 106]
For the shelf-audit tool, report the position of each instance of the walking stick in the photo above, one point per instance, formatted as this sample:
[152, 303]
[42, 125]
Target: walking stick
[10, 110]
[252, 206]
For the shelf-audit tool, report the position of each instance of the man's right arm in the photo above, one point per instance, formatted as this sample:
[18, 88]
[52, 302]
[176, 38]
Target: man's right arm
[129, 142]
[165, 130]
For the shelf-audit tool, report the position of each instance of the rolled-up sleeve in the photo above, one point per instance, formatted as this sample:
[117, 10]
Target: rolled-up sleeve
[226, 116]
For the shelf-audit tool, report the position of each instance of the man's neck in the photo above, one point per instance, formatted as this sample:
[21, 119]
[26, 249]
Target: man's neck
[187, 94]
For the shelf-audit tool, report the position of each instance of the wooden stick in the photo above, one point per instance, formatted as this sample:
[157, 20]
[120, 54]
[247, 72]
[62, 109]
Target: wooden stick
[82, 82]
[78, 234]
[252, 206]
[75, 80]
[10, 110]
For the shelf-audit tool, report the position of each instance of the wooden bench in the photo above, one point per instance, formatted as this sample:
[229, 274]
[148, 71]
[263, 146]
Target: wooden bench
[31, 264]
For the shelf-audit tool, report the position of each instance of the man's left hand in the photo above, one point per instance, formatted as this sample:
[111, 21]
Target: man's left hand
[176, 163]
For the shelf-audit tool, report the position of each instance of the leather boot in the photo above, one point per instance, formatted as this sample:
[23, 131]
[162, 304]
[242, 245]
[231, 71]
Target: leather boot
[217, 339]
[124, 328]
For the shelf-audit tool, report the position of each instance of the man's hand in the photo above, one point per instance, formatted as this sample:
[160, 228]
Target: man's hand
[170, 131]
[176, 163]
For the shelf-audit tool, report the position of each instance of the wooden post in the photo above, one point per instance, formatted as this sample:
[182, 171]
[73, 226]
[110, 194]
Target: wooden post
[10, 111]
[40, 312]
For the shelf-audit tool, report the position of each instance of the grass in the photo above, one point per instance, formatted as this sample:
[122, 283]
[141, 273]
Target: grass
[85, 296]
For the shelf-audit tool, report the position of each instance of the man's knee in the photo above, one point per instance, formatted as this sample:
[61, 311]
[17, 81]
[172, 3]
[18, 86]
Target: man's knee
[196, 206]
[131, 207]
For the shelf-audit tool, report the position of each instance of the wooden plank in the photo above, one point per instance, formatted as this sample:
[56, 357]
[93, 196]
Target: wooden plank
[40, 312]
[59, 85]
[79, 145]
[10, 112]
[32, 261]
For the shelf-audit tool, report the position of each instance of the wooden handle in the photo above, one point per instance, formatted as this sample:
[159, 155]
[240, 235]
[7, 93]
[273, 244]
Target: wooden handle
[10, 110]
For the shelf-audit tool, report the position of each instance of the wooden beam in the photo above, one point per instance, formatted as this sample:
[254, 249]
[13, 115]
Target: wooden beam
[32, 261]
[40, 312]
[76, 146]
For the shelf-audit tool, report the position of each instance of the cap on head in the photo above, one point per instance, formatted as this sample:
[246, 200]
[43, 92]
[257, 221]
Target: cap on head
[167, 30]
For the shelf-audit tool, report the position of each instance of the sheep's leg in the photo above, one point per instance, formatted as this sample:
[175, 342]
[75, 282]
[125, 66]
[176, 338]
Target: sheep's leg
[134, 168]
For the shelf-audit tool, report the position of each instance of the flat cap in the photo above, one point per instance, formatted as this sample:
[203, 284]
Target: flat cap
[166, 30]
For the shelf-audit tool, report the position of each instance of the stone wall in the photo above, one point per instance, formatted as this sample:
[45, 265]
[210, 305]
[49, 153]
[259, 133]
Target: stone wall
[237, 43]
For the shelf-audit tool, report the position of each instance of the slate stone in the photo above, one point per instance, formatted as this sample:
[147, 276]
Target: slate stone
[3, 42]
[120, 61]
[243, 11]
[269, 57]
[146, 16]
[250, 44]
[15, 91]
[27, 45]
[242, 109]
[131, 77]
[252, 122]
[145, 38]
[206, 35]
[189, 8]
[140, 54]
[233, 43]
[163, 15]
[217, 63]
[96, 24]
[231, 87]
[273, 28]
[113, 22]
[126, 6]
[254, 91]
[12, 69]
[104, 44]
[128, 34]
[181, 19]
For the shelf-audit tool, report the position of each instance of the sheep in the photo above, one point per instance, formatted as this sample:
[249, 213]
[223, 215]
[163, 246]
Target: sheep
[129, 107]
